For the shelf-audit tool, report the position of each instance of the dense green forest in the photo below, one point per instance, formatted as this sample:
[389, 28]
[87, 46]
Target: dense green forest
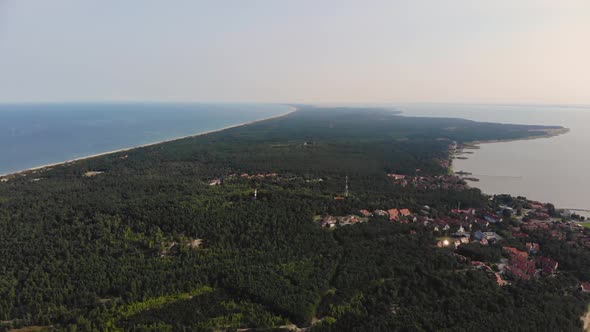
[145, 242]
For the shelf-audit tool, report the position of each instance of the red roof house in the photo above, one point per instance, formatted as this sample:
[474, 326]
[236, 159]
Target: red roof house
[365, 213]
[405, 212]
[393, 214]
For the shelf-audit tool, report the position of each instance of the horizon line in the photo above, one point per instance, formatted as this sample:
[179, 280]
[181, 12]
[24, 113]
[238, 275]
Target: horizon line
[474, 103]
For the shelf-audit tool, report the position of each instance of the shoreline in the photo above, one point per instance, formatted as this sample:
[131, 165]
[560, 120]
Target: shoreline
[474, 145]
[292, 109]
[548, 134]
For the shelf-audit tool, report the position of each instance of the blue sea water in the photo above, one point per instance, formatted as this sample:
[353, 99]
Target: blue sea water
[32, 135]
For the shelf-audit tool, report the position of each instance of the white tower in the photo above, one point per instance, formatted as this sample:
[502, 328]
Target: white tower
[346, 187]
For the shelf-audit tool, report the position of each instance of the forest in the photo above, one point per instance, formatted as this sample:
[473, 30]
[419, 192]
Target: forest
[172, 236]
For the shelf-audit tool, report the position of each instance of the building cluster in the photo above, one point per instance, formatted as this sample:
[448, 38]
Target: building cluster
[520, 265]
[526, 265]
[469, 219]
[399, 215]
[332, 221]
[445, 182]
[559, 228]
[219, 181]
[470, 225]
[464, 221]
[402, 215]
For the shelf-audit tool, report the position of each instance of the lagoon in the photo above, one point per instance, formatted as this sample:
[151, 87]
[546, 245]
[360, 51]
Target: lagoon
[554, 169]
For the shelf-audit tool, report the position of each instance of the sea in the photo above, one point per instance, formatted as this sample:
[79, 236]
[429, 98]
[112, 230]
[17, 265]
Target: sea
[33, 135]
[554, 169]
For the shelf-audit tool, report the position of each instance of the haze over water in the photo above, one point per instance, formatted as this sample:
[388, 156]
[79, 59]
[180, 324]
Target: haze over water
[549, 169]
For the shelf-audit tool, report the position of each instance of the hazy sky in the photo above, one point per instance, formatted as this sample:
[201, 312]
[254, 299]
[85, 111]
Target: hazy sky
[525, 51]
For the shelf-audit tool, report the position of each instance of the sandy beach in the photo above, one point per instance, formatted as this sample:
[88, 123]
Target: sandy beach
[292, 109]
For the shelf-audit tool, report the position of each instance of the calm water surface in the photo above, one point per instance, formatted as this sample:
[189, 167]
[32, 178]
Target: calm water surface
[38, 134]
[555, 169]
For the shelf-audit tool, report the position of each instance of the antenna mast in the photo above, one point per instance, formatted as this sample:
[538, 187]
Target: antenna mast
[346, 187]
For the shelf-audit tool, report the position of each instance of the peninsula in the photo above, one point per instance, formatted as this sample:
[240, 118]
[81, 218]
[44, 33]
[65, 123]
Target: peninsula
[324, 219]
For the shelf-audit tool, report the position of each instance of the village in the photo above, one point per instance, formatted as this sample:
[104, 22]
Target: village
[505, 224]
[446, 182]
[504, 227]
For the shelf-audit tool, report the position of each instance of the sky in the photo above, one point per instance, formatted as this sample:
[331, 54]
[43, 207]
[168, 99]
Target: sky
[305, 51]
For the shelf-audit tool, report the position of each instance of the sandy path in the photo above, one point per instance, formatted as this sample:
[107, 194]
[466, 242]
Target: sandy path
[586, 320]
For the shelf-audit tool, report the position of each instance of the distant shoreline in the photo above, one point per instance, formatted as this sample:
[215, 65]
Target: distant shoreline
[23, 172]
[548, 134]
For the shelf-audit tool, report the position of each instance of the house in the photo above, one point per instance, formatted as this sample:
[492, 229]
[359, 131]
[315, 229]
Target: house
[520, 267]
[506, 208]
[466, 211]
[396, 176]
[534, 225]
[461, 234]
[491, 219]
[329, 221]
[547, 265]
[532, 247]
[519, 235]
[478, 264]
[393, 214]
[215, 182]
[478, 235]
[558, 235]
[539, 215]
[425, 210]
[347, 220]
[365, 213]
[492, 236]
[585, 287]
[380, 213]
[405, 212]
[516, 273]
[513, 252]
[481, 222]
[339, 198]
